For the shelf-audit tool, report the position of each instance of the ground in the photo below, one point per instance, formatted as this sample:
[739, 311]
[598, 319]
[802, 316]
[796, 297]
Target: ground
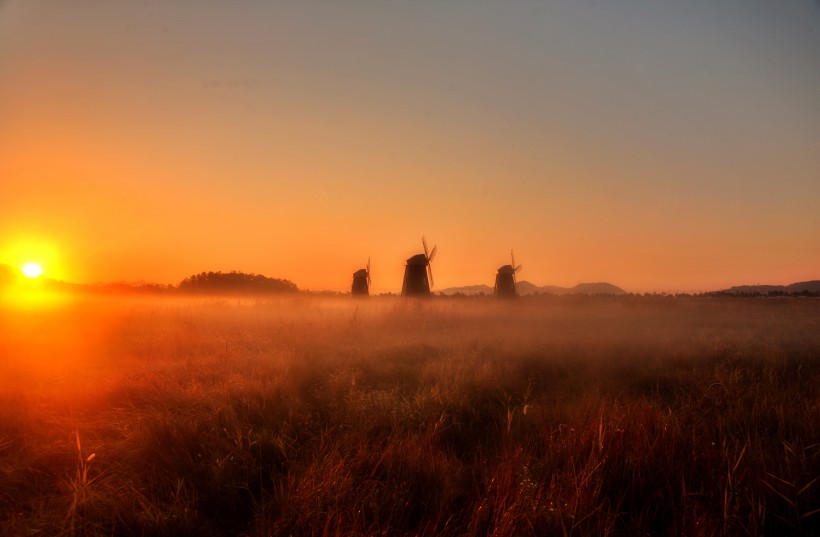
[302, 416]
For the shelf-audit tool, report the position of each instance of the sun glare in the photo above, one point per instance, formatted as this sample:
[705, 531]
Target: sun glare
[32, 270]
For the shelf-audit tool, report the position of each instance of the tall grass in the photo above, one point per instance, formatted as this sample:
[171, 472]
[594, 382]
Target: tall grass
[564, 416]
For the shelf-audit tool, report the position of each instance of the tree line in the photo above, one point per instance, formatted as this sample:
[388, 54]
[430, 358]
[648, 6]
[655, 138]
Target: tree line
[235, 282]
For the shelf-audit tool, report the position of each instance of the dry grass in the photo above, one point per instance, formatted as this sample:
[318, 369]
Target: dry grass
[570, 416]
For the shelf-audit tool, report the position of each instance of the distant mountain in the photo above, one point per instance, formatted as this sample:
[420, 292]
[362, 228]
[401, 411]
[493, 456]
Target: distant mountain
[812, 287]
[468, 290]
[122, 288]
[752, 289]
[597, 288]
[551, 290]
[526, 288]
[204, 283]
[804, 287]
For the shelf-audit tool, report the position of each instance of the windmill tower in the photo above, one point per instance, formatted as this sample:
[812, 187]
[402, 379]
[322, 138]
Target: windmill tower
[418, 276]
[361, 282]
[505, 280]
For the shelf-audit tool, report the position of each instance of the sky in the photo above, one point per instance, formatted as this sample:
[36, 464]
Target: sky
[658, 145]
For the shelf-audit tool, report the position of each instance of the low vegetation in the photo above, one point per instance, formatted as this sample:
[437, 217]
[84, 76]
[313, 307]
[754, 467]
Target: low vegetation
[233, 283]
[302, 416]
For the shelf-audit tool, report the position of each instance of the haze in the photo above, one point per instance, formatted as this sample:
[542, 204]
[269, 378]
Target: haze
[655, 145]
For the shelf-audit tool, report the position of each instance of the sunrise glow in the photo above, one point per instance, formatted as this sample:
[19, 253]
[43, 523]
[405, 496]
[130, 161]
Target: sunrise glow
[453, 268]
[656, 146]
[32, 270]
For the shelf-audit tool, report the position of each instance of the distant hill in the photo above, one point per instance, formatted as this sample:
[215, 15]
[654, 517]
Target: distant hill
[468, 290]
[216, 283]
[810, 287]
[754, 289]
[597, 288]
[124, 288]
[525, 288]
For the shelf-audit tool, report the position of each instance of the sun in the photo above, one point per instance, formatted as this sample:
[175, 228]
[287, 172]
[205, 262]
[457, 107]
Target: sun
[32, 270]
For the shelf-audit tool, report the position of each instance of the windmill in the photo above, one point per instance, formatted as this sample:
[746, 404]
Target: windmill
[418, 277]
[361, 281]
[505, 280]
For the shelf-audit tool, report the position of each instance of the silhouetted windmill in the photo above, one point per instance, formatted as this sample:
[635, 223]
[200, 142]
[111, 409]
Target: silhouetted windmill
[505, 279]
[418, 276]
[361, 281]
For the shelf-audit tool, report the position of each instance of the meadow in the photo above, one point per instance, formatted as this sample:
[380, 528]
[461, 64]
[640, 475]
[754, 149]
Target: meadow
[330, 416]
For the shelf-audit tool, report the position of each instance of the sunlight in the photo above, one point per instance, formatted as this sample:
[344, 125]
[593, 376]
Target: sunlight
[31, 294]
[32, 258]
[31, 284]
[32, 270]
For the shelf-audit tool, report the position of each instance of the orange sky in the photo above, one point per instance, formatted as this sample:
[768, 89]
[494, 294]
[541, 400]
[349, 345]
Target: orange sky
[657, 147]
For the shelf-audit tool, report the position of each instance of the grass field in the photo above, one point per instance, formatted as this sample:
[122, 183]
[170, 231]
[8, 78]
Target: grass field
[562, 416]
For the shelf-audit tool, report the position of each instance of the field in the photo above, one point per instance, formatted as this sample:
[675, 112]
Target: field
[307, 416]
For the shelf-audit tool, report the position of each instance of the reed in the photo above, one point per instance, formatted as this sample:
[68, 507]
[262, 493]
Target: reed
[558, 416]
